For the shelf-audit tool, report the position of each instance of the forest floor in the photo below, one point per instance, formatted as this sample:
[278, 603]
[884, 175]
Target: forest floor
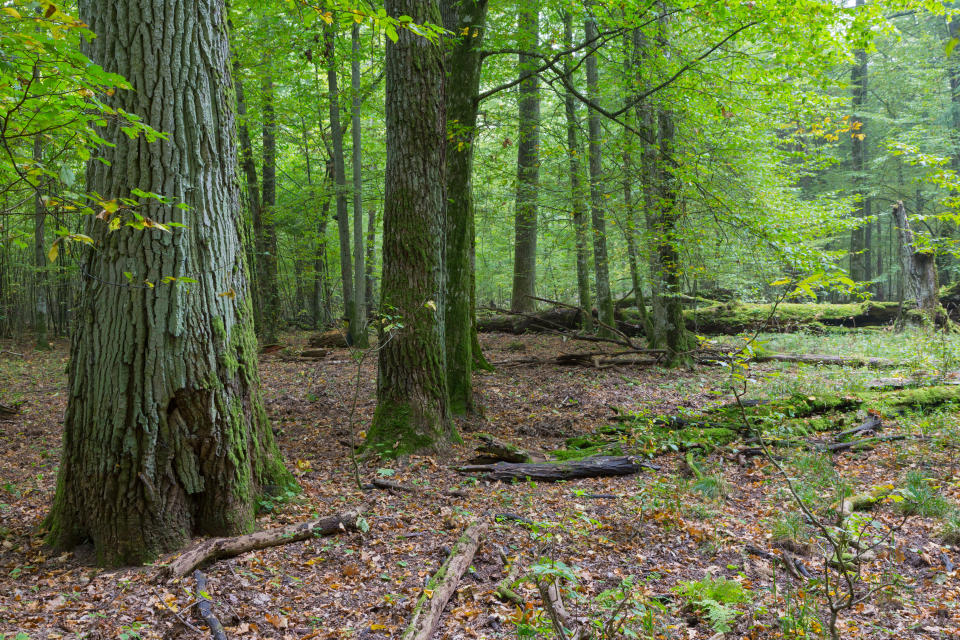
[695, 548]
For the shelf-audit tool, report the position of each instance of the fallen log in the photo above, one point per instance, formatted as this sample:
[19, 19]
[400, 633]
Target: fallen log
[203, 606]
[817, 358]
[387, 485]
[504, 590]
[866, 444]
[492, 449]
[218, 548]
[872, 424]
[429, 607]
[592, 467]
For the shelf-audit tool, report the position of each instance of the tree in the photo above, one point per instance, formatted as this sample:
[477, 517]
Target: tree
[412, 410]
[165, 432]
[528, 162]
[358, 321]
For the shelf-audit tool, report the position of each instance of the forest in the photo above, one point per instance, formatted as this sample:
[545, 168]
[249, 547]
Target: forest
[456, 319]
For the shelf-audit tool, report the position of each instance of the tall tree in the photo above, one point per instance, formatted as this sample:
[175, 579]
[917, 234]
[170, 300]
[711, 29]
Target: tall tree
[264, 224]
[466, 20]
[528, 161]
[412, 410]
[358, 321]
[165, 432]
[42, 311]
[597, 212]
[860, 238]
[578, 201]
[340, 182]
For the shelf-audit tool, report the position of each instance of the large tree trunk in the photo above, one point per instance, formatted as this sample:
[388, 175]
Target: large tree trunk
[340, 180]
[264, 228]
[165, 432]
[412, 412]
[577, 197]
[463, 82]
[358, 321]
[598, 214]
[528, 163]
[919, 268]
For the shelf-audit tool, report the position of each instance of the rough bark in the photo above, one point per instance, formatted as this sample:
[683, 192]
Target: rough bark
[322, 293]
[919, 268]
[578, 202]
[264, 228]
[463, 63]
[41, 310]
[528, 163]
[597, 213]
[340, 182]
[412, 411]
[358, 321]
[165, 433]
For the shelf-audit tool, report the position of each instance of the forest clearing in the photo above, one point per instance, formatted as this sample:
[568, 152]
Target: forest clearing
[422, 319]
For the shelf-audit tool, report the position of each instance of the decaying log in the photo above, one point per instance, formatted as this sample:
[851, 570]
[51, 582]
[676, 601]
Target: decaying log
[426, 614]
[592, 467]
[332, 338]
[387, 485]
[203, 606]
[816, 358]
[504, 590]
[872, 424]
[314, 353]
[867, 444]
[217, 548]
[493, 449]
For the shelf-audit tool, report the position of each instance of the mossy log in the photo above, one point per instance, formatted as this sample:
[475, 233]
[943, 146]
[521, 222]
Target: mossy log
[492, 449]
[592, 467]
[217, 548]
[426, 614]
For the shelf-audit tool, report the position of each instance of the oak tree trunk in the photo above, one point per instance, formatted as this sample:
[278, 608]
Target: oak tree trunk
[165, 432]
[412, 412]
[466, 19]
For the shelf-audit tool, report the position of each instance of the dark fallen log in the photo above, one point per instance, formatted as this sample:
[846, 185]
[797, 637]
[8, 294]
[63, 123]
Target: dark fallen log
[493, 449]
[866, 444]
[218, 548]
[592, 467]
[314, 353]
[203, 606]
[871, 425]
[332, 338]
[429, 607]
[387, 485]
[817, 358]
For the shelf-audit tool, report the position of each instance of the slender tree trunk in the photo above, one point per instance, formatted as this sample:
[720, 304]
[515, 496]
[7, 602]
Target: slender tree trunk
[165, 433]
[249, 168]
[598, 215]
[466, 19]
[264, 226]
[340, 180]
[42, 310]
[412, 412]
[581, 225]
[322, 294]
[358, 321]
[528, 164]
[371, 259]
[860, 262]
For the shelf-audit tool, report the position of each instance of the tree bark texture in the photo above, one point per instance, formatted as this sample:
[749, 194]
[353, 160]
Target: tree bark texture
[578, 203]
[412, 411]
[463, 83]
[598, 214]
[165, 432]
[340, 180]
[528, 163]
[41, 310]
[919, 267]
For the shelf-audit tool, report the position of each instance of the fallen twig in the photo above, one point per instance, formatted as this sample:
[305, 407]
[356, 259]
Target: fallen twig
[203, 606]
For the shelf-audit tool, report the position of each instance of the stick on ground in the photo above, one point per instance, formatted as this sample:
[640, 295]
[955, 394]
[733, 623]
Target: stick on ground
[426, 615]
[203, 605]
[217, 548]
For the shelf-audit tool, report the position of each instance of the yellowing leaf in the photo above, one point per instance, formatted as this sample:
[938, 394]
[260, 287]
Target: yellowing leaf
[54, 251]
[229, 293]
[13, 12]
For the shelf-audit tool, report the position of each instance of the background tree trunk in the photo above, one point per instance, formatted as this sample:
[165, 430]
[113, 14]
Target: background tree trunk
[598, 215]
[860, 262]
[358, 321]
[165, 433]
[42, 309]
[264, 227]
[462, 62]
[919, 267]
[412, 412]
[528, 163]
[577, 196]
